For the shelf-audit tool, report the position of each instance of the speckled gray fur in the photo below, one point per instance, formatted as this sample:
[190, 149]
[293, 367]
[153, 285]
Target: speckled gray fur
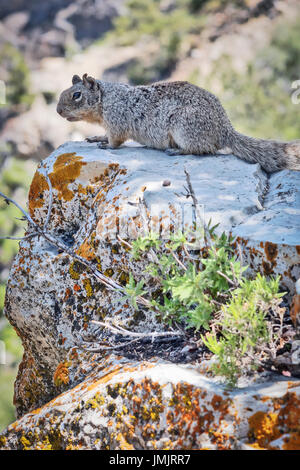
[175, 116]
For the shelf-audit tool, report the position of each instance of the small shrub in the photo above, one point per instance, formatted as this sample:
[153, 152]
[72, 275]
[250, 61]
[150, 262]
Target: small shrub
[245, 335]
[206, 290]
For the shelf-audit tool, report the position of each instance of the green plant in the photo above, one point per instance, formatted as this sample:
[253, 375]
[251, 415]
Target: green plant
[7, 409]
[15, 178]
[244, 338]
[205, 290]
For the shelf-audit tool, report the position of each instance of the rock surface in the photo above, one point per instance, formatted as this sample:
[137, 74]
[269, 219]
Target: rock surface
[73, 398]
[128, 406]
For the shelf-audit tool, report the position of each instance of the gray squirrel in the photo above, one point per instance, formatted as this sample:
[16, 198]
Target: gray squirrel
[177, 117]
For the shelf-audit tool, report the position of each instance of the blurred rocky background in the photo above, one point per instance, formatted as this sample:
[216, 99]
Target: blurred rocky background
[245, 51]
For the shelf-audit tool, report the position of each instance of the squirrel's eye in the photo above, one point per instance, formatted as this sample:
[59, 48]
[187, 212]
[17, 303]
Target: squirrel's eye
[76, 95]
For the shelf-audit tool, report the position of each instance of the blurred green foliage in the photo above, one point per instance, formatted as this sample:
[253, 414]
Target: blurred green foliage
[165, 23]
[151, 18]
[15, 178]
[141, 73]
[7, 409]
[16, 75]
[170, 24]
[258, 101]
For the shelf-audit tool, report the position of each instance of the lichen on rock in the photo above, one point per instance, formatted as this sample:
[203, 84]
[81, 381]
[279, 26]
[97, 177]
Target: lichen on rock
[70, 398]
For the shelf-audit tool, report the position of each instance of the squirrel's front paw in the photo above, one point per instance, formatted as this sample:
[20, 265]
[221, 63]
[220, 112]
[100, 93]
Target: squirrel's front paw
[101, 138]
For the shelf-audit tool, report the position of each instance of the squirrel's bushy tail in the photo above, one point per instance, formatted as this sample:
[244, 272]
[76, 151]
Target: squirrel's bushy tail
[272, 155]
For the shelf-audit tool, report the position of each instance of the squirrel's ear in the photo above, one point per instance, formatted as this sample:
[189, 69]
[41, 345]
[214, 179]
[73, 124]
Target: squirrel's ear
[89, 82]
[76, 79]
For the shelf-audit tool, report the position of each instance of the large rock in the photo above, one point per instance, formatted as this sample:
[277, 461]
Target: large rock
[139, 400]
[129, 405]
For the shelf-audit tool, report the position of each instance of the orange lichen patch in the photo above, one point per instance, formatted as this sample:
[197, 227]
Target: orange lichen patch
[188, 416]
[61, 339]
[271, 251]
[68, 293]
[220, 404]
[293, 384]
[36, 411]
[221, 440]
[266, 427]
[61, 375]
[289, 414]
[74, 354]
[82, 190]
[87, 249]
[292, 442]
[256, 446]
[65, 171]
[267, 268]
[295, 310]
[36, 192]
[263, 428]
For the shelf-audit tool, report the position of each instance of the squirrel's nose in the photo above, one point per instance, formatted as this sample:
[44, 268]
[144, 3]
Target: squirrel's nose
[59, 109]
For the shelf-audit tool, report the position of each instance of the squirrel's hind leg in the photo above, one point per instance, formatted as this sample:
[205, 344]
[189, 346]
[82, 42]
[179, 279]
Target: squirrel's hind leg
[173, 150]
[193, 133]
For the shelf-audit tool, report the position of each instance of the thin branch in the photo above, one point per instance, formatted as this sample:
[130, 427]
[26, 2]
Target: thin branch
[190, 189]
[178, 260]
[19, 238]
[124, 242]
[188, 254]
[49, 204]
[236, 280]
[118, 330]
[227, 278]
[191, 193]
[111, 348]
[27, 216]
[240, 253]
